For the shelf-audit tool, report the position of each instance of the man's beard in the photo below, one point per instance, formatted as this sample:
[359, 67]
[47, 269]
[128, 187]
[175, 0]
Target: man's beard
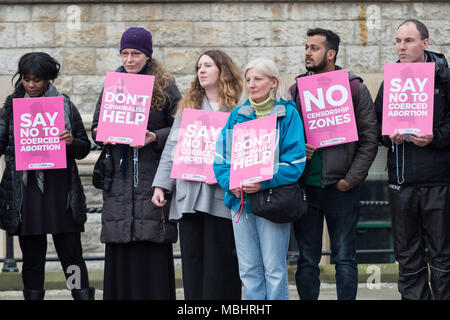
[322, 64]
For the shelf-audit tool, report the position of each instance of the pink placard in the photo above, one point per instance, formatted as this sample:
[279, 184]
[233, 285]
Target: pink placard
[38, 122]
[327, 109]
[196, 146]
[253, 150]
[125, 108]
[408, 95]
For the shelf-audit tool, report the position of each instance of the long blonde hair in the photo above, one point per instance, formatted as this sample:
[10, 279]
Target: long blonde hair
[230, 84]
[270, 69]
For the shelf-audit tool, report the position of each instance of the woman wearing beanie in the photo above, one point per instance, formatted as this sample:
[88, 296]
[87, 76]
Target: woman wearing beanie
[208, 254]
[262, 245]
[35, 203]
[137, 234]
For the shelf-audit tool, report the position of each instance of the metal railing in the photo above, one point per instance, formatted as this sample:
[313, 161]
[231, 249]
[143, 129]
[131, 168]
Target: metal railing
[10, 262]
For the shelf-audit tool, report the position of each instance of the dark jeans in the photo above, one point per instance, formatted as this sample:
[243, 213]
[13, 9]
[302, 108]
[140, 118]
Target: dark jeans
[34, 249]
[340, 210]
[421, 225]
[208, 258]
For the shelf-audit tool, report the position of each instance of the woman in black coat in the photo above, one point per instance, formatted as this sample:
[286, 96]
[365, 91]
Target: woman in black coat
[35, 203]
[138, 235]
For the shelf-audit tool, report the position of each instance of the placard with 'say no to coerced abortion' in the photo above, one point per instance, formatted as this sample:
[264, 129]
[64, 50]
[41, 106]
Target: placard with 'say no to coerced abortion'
[38, 122]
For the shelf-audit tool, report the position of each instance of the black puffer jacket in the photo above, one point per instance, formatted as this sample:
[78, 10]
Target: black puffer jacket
[429, 165]
[11, 184]
[128, 213]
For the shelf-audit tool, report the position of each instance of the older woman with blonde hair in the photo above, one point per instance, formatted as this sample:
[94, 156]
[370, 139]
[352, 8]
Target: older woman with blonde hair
[209, 262]
[262, 245]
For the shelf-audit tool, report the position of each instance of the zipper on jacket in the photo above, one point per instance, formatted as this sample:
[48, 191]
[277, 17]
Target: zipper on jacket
[133, 238]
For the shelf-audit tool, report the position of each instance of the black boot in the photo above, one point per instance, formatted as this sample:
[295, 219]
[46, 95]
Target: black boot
[33, 294]
[83, 294]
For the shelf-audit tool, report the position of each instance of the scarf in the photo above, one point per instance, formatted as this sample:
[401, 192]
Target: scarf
[263, 108]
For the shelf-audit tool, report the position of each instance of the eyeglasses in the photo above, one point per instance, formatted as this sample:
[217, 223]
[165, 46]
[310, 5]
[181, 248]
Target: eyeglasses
[134, 54]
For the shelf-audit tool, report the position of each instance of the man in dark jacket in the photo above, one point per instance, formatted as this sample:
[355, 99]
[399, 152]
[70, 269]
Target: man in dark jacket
[332, 176]
[419, 177]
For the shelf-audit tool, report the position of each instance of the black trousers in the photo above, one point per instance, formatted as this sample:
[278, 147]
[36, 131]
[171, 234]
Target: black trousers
[421, 226]
[208, 256]
[69, 250]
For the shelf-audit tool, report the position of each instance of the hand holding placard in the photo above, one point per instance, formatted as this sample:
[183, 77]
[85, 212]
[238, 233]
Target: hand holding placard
[327, 109]
[408, 94]
[39, 129]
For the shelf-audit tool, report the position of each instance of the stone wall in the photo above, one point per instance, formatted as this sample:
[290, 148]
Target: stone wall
[85, 39]
[181, 31]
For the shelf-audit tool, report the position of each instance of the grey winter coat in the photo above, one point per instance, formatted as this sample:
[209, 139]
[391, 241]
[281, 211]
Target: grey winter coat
[11, 184]
[188, 196]
[128, 213]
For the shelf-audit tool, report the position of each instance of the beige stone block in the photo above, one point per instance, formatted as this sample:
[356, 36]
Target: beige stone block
[9, 59]
[114, 31]
[363, 59]
[127, 12]
[59, 13]
[79, 61]
[7, 35]
[228, 12]
[295, 60]
[64, 84]
[446, 51]
[388, 54]
[311, 12]
[434, 48]
[341, 10]
[89, 35]
[88, 85]
[394, 10]
[214, 34]
[107, 59]
[425, 10]
[382, 36]
[348, 31]
[187, 12]
[35, 34]
[252, 33]
[48, 13]
[158, 54]
[14, 13]
[183, 81]
[277, 54]
[6, 88]
[181, 60]
[85, 103]
[266, 11]
[439, 31]
[341, 56]
[238, 55]
[289, 33]
[171, 33]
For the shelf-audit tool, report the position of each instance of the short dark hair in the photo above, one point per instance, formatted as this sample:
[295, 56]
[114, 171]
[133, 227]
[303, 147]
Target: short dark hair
[332, 39]
[40, 64]
[420, 26]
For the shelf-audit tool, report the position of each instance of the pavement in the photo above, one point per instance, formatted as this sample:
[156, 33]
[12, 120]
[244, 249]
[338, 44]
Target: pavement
[385, 291]
[376, 282]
